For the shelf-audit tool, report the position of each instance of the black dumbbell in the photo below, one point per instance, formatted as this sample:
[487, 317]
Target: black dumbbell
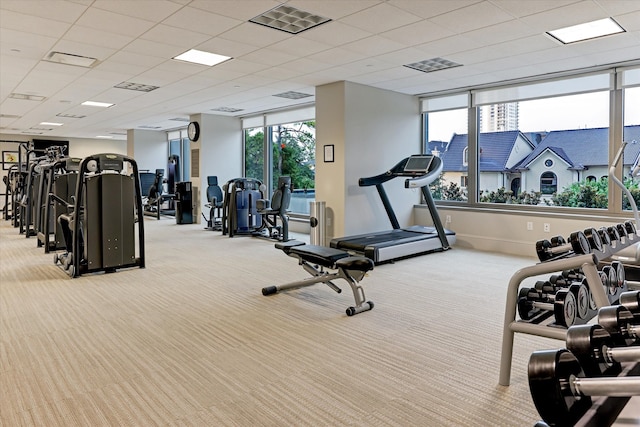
[560, 391]
[621, 324]
[576, 274]
[594, 239]
[594, 347]
[631, 227]
[577, 244]
[609, 279]
[604, 236]
[531, 303]
[614, 235]
[622, 230]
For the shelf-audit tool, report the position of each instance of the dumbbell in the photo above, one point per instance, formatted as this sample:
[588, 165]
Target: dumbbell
[613, 233]
[563, 305]
[631, 301]
[604, 236]
[593, 237]
[621, 324]
[595, 348]
[578, 243]
[560, 391]
[630, 226]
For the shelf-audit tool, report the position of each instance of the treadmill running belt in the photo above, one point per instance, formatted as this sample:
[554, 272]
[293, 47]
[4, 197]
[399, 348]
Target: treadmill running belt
[364, 241]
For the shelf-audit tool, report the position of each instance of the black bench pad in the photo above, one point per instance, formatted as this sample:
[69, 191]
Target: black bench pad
[321, 255]
[358, 263]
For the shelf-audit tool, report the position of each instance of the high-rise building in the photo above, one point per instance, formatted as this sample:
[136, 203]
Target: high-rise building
[499, 117]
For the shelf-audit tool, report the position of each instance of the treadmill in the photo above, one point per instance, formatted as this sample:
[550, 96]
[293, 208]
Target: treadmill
[420, 170]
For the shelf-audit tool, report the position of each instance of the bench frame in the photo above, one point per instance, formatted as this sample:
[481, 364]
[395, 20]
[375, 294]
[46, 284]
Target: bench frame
[314, 259]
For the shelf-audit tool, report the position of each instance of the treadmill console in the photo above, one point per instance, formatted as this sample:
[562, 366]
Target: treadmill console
[418, 165]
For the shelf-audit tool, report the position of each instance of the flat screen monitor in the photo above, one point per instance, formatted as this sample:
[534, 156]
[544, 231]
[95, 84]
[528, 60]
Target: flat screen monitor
[418, 164]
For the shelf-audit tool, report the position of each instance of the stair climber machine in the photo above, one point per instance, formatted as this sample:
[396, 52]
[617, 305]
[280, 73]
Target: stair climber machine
[420, 170]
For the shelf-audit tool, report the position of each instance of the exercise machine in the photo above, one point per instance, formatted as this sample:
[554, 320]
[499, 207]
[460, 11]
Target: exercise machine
[314, 259]
[419, 170]
[100, 230]
[275, 222]
[215, 201]
[183, 200]
[57, 187]
[239, 210]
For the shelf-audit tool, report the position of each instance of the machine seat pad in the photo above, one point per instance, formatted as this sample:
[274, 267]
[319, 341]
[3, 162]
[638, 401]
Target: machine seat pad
[321, 255]
[358, 263]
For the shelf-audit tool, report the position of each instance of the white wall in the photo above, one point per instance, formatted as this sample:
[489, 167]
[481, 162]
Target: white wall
[220, 147]
[372, 130]
[148, 148]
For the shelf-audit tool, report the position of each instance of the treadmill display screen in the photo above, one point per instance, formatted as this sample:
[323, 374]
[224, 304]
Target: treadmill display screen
[418, 164]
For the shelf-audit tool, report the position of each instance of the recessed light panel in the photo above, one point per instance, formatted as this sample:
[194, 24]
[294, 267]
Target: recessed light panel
[104, 136]
[587, 31]
[51, 124]
[289, 19]
[292, 95]
[70, 116]
[201, 57]
[433, 64]
[97, 104]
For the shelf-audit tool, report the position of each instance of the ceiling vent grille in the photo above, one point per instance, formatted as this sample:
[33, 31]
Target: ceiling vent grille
[289, 19]
[136, 86]
[71, 59]
[292, 95]
[227, 109]
[70, 116]
[433, 64]
[26, 97]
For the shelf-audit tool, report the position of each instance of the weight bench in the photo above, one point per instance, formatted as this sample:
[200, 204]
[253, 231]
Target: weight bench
[314, 259]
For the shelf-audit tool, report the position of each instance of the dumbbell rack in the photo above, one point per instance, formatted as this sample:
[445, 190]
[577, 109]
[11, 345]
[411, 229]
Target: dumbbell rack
[588, 263]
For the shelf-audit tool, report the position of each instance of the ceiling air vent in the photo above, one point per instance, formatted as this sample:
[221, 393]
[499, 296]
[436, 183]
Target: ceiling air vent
[27, 97]
[227, 109]
[292, 95]
[433, 64]
[289, 19]
[71, 59]
[136, 86]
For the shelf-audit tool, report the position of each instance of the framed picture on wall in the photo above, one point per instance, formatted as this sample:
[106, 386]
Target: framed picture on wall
[328, 153]
[9, 158]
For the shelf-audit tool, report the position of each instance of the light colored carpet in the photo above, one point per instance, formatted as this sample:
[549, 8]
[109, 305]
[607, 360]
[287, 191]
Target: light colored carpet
[190, 340]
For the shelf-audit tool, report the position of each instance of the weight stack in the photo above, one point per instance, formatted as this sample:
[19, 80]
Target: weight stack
[318, 222]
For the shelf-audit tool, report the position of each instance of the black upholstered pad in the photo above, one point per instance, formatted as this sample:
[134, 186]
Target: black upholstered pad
[321, 255]
[359, 263]
[286, 246]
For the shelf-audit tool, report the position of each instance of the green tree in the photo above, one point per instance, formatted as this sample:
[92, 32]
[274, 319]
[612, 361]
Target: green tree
[254, 154]
[443, 191]
[294, 154]
[593, 194]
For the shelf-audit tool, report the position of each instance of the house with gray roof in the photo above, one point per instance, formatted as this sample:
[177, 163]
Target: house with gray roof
[567, 156]
[500, 154]
[513, 161]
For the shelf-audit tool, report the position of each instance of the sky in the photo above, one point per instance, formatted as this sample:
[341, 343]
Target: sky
[589, 110]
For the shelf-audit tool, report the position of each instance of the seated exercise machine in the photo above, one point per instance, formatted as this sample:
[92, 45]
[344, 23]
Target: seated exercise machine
[100, 229]
[58, 179]
[215, 202]
[156, 198]
[419, 170]
[274, 210]
[314, 259]
[239, 211]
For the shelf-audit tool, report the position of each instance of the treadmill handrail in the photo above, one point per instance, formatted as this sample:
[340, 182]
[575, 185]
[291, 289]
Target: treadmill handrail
[427, 178]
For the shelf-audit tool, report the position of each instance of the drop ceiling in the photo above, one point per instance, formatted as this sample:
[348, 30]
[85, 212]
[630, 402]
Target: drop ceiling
[366, 41]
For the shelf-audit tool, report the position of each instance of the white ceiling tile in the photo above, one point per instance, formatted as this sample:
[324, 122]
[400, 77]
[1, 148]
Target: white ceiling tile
[472, 17]
[96, 37]
[333, 9]
[502, 32]
[619, 7]
[25, 45]
[160, 50]
[336, 56]
[269, 57]
[418, 33]
[572, 14]
[226, 47]
[299, 46]
[114, 22]
[57, 10]
[629, 21]
[136, 59]
[427, 9]
[373, 46]
[240, 10]
[255, 35]
[35, 24]
[155, 10]
[335, 33]
[201, 21]
[167, 34]
[380, 18]
[519, 8]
